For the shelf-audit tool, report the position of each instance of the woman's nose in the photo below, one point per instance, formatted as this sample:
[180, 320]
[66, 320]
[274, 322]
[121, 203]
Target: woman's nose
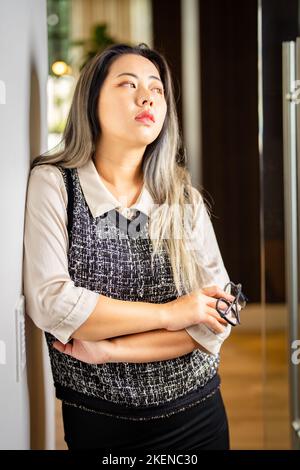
[145, 99]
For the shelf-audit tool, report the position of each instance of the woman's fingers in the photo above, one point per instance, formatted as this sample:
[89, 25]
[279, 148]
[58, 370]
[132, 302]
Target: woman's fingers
[64, 348]
[212, 312]
[213, 303]
[215, 325]
[59, 346]
[216, 291]
[212, 290]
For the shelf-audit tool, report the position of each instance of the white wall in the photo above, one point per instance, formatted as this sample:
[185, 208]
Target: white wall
[23, 133]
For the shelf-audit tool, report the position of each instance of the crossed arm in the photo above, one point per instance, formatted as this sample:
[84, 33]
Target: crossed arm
[156, 345]
[149, 346]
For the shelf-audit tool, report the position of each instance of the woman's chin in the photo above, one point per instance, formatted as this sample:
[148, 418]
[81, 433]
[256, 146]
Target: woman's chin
[145, 135]
[142, 139]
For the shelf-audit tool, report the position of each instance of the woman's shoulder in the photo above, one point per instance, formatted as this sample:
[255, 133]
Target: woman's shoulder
[195, 193]
[47, 178]
[196, 197]
[48, 172]
[49, 169]
[201, 205]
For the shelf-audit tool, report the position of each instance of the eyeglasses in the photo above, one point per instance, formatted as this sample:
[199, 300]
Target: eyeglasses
[232, 312]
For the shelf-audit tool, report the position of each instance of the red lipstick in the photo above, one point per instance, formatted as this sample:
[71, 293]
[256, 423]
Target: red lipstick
[146, 117]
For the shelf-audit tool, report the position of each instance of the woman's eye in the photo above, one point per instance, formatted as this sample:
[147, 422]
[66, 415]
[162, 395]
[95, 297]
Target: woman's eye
[160, 90]
[127, 83]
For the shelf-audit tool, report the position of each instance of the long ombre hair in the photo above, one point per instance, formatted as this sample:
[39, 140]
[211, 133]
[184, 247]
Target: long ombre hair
[164, 166]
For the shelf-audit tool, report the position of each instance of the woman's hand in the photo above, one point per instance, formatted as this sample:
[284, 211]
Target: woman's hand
[92, 352]
[197, 307]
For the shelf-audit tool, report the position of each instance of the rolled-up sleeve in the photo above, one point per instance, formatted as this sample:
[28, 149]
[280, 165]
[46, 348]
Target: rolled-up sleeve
[205, 248]
[52, 300]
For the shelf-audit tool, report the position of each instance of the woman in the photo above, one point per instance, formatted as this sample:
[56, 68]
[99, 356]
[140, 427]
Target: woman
[127, 303]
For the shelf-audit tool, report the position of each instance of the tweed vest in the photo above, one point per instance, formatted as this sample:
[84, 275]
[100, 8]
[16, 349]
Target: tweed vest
[111, 255]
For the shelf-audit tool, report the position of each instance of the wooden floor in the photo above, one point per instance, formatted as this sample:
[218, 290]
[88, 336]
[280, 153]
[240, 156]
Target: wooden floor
[255, 391]
[254, 385]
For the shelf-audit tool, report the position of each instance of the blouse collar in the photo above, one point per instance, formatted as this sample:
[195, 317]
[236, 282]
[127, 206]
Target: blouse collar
[100, 199]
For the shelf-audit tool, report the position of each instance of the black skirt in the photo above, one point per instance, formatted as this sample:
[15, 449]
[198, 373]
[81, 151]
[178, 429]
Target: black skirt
[199, 427]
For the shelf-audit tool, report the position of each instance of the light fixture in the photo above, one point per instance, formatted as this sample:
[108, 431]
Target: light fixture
[60, 68]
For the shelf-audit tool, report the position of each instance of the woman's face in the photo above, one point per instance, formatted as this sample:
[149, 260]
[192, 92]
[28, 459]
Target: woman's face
[130, 88]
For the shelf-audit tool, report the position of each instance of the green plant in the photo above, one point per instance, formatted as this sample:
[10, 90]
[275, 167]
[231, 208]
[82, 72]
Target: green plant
[98, 41]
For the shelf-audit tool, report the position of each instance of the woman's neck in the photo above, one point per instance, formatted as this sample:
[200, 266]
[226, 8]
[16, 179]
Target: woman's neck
[120, 168]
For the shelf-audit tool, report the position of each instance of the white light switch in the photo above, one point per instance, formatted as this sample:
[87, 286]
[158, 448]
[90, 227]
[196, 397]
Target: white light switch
[20, 336]
[2, 352]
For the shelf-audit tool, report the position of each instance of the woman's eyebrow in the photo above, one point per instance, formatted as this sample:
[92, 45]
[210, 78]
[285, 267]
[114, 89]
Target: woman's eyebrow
[134, 75]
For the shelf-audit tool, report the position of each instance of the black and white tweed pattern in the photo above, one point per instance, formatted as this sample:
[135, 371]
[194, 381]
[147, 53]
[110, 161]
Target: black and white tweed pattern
[105, 258]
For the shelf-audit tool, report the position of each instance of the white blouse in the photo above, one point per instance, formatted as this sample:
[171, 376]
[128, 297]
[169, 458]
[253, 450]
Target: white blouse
[53, 302]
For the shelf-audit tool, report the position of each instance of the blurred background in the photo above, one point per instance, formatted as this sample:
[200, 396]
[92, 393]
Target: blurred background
[236, 69]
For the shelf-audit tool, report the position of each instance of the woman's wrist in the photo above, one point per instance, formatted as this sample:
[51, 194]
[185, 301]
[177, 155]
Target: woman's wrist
[163, 311]
[114, 351]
